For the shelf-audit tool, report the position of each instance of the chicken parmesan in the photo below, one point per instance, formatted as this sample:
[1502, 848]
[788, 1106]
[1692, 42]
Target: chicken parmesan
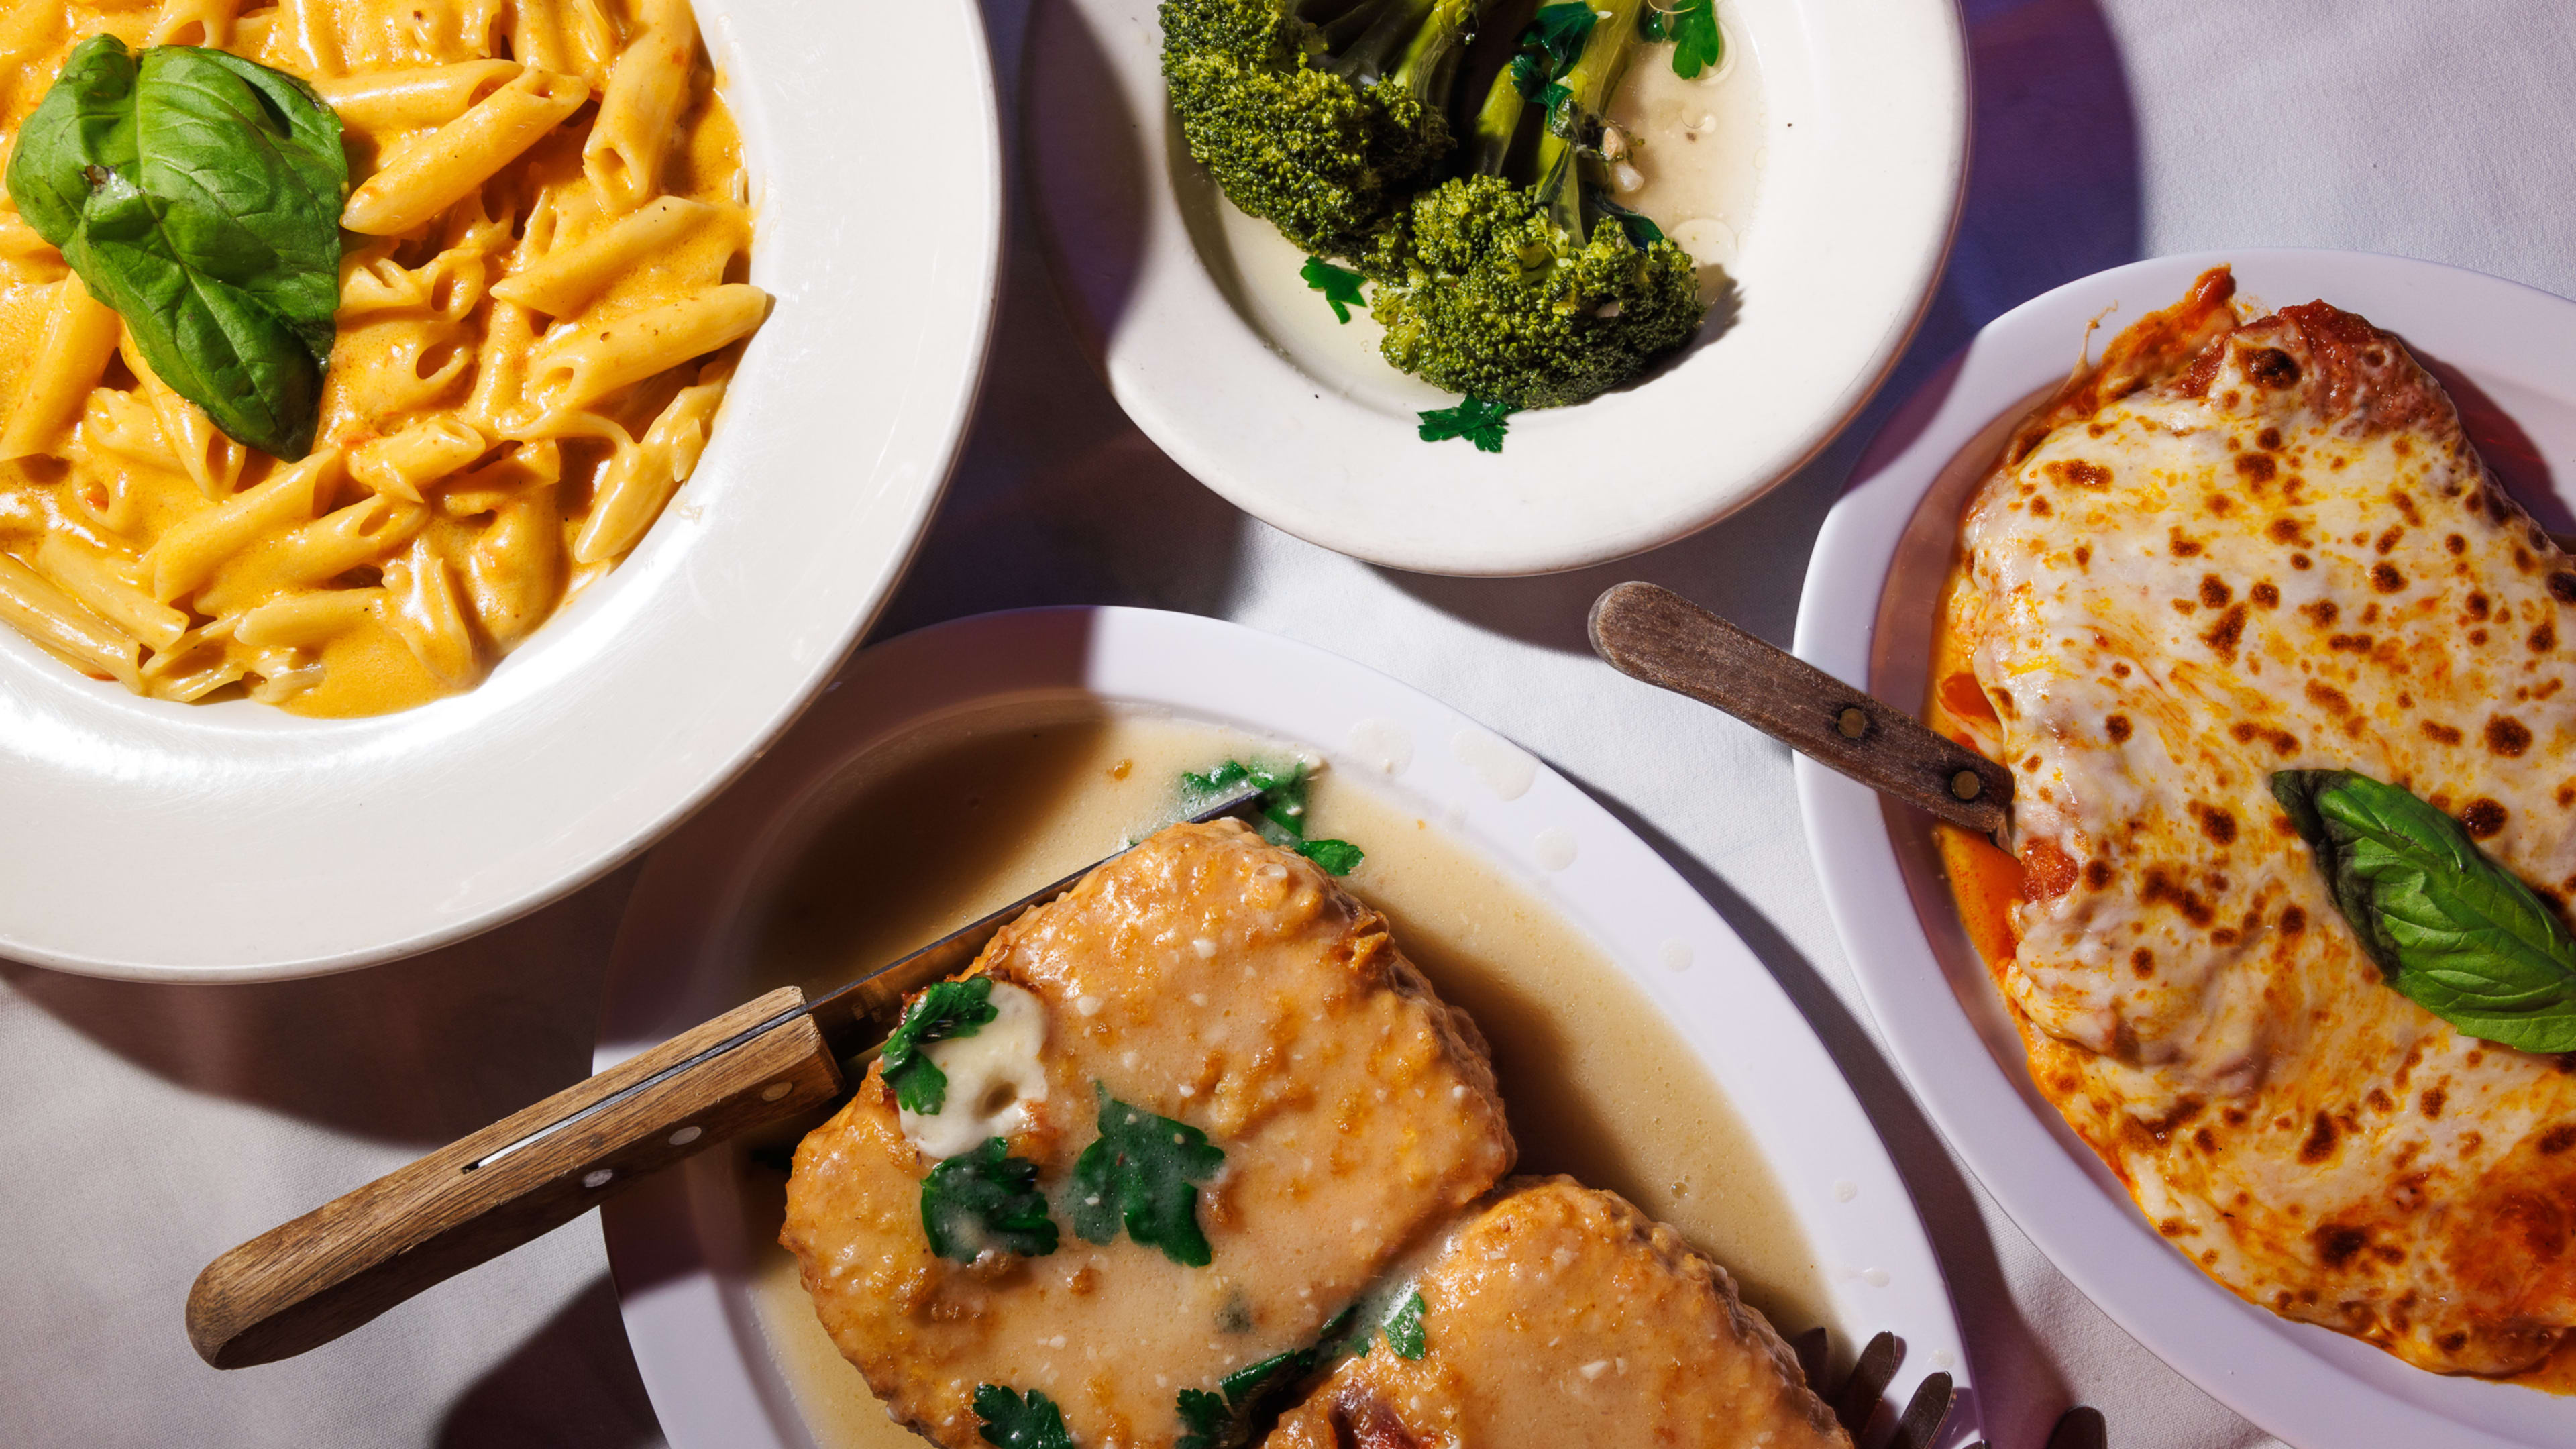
[2243, 544]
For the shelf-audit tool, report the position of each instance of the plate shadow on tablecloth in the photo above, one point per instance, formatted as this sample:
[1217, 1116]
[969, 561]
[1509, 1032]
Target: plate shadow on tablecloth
[2054, 194]
[571, 1382]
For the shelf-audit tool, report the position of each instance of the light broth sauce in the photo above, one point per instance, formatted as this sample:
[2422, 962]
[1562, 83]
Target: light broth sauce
[980, 810]
[1700, 154]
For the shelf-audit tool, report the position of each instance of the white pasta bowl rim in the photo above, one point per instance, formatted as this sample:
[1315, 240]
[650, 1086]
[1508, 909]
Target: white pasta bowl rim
[680, 1277]
[1865, 616]
[162, 842]
[1867, 157]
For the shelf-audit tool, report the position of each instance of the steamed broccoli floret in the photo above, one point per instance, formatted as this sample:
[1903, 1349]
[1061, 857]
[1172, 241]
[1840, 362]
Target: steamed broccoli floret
[1320, 116]
[1537, 294]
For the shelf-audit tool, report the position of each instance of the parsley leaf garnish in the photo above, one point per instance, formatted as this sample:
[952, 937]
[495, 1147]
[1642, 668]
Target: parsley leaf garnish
[1697, 42]
[1144, 1172]
[1256, 1388]
[1337, 857]
[1478, 421]
[1404, 1331]
[986, 1199]
[1013, 1422]
[1283, 809]
[1204, 1415]
[1340, 285]
[947, 1009]
[1650, 22]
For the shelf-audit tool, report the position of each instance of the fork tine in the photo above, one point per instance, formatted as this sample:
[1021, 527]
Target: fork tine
[1859, 1398]
[1924, 1414]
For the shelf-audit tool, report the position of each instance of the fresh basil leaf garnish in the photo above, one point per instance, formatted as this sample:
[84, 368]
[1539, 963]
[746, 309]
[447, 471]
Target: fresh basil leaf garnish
[1015, 1421]
[1143, 1173]
[2453, 931]
[1340, 286]
[198, 194]
[986, 1199]
[1404, 1331]
[948, 1009]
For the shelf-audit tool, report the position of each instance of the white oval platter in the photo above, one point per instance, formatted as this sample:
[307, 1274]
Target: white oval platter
[2508, 355]
[1863, 155]
[675, 1243]
[233, 842]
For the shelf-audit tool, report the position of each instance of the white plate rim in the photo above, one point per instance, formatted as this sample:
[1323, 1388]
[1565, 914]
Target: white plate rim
[1730, 421]
[690, 1327]
[2303, 1383]
[347, 843]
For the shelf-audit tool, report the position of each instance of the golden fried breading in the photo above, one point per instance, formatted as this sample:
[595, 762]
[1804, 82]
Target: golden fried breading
[1208, 978]
[1563, 1316]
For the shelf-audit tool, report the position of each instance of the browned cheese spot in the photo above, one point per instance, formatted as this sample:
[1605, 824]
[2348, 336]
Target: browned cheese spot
[2083, 554]
[2329, 698]
[2544, 638]
[2217, 824]
[2270, 367]
[2293, 920]
[2385, 578]
[2079, 472]
[2269, 439]
[2562, 586]
[2508, 736]
[2558, 1139]
[2255, 467]
[2299, 561]
[2321, 1140]
[2388, 538]
[2214, 591]
[2479, 605]
[2160, 885]
[2182, 546]
[2265, 595]
[2321, 612]
[2097, 873]
[2284, 530]
[2482, 817]
[2118, 728]
[2440, 733]
[2430, 1104]
[2223, 636]
[2455, 543]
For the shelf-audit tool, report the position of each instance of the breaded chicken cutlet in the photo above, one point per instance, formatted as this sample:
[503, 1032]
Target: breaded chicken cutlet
[1560, 1315]
[1185, 1114]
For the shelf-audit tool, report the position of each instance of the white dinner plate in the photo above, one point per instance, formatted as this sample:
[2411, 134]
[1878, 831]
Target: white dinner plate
[235, 842]
[676, 1243]
[2508, 355]
[1862, 154]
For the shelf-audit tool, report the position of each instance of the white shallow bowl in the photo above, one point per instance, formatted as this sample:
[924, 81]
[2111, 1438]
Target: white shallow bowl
[234, 842]
[2508, 355]
[676, 1243]
[1866, 139]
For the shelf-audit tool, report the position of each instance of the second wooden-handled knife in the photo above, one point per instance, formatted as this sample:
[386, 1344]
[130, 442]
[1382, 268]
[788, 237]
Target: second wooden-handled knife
[306, 1282]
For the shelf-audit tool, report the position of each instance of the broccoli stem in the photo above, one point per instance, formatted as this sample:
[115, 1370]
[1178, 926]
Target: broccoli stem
[1498, 124]
[1414, 44]
[1594, 79]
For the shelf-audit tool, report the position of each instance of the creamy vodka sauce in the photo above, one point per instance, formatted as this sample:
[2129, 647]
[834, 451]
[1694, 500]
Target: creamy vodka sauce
[1697, 157]
[981, 810]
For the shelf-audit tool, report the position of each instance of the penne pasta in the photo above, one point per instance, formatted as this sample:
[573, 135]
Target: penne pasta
[108, 588]
[416, 98]
[310, 619]
[640, 479]
[367, 532]
[565, 281]
[80, 336]
[623, 157]
[436, 171]
[429, 614]
[424, 452]
[190, 551]
[63, 628]
[584, 364]
[531, 344]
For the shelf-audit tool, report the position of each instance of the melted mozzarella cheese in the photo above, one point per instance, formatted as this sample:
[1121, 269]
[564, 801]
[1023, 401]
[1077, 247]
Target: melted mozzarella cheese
[994, 1078]
[2288, 557]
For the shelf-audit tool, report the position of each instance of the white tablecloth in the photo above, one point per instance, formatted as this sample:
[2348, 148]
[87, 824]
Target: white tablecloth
[149, 1128]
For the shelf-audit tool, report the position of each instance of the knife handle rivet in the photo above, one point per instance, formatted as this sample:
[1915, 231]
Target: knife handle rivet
[1853, 722]
[774, 1091]
[1966, 785]
[598, 1176]
[686, 1135]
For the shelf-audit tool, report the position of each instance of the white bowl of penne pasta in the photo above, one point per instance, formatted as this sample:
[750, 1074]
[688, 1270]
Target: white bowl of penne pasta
[439, 446]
